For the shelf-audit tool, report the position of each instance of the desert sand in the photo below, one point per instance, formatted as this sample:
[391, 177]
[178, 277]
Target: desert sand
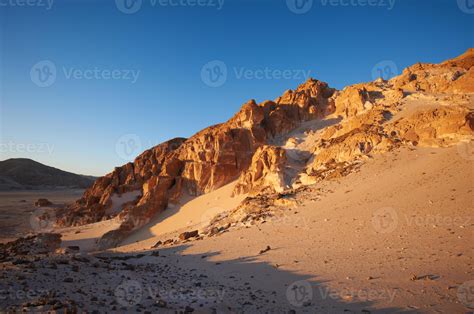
[414, 259]
[17, 209]
[358, 201]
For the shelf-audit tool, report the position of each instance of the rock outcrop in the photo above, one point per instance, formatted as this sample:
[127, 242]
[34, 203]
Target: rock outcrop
[452, 76]
[208, 160]
[42, 202]
[427, 105]
[95, 202]
[265, 172]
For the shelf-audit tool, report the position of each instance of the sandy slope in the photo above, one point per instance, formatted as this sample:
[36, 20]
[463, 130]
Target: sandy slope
[396, 236]
[193, 214]
[344, 245]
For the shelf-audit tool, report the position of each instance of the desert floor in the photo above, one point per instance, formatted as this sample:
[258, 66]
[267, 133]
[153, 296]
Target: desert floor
[18, 211]
[395, 236]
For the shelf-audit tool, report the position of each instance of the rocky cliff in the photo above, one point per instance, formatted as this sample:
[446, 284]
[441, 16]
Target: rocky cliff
[206, 161]
[306, 135]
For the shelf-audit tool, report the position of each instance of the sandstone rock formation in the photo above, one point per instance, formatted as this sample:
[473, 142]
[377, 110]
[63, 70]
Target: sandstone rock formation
[208, 160]
[452, 76]
[265, 172]
[429, 104]
[95, 202]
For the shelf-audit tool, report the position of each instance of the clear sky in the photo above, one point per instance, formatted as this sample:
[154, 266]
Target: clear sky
[129, 75]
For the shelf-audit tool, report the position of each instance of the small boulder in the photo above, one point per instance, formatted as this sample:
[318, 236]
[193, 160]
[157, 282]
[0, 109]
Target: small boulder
[188, 234]
[41, 202]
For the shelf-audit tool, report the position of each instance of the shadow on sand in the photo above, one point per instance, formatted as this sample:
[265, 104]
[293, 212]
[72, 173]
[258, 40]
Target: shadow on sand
[206, 283]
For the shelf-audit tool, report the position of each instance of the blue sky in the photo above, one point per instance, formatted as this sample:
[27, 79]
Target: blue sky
[133, 80]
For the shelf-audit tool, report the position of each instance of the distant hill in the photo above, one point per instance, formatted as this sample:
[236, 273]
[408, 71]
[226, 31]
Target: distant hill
[22, 173]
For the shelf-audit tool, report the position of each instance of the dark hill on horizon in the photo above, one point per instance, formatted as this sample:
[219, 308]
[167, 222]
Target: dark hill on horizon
[25, 174]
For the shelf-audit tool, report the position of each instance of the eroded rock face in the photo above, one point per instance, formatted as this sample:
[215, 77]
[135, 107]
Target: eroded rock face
[208, 160]
[436, 127]
[265, 172]
[452, 76]
[309, 101]
[361, 120]
[353, 100]
[93, 205]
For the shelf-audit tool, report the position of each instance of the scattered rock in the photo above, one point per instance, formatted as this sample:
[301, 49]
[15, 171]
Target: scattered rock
[187, 235]
[157, 244]
[41, 202]
[268, 248]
